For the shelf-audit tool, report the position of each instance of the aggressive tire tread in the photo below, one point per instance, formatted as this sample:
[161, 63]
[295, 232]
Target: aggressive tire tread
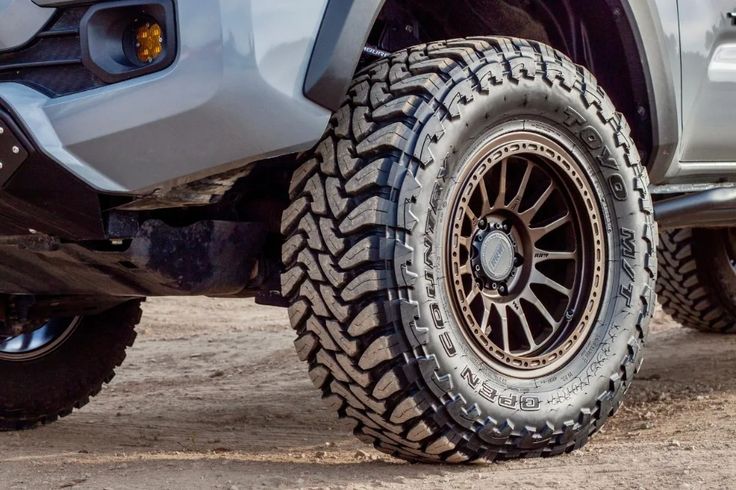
[687, 288]
[117, 329]
[380, 137]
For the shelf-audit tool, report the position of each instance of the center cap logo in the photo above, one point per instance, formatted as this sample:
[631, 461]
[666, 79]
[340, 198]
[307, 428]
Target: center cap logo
[497, 255]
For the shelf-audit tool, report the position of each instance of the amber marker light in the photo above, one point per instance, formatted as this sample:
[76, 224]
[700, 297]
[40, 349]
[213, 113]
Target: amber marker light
[149, 42]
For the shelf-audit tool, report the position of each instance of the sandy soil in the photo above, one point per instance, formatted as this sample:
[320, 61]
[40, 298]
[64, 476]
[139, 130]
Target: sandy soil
[212, 396]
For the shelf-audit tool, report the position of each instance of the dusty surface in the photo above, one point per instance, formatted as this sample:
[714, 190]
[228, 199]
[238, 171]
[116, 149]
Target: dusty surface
[212, 396]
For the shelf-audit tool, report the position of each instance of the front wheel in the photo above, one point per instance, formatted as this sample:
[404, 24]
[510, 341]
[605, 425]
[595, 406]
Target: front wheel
[470, 254]
[48, 372]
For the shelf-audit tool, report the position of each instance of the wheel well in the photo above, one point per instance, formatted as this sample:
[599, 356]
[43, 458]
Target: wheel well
[593, 33]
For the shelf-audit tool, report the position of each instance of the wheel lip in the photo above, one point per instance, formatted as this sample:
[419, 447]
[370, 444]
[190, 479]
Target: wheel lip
[477, 153]
[58, 331]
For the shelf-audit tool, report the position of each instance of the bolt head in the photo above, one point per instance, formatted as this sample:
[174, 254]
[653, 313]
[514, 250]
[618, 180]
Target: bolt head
[15, 150]
[494, 286]
[502, 289]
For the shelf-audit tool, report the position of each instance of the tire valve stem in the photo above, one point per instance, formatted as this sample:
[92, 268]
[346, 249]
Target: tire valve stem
[569, 314]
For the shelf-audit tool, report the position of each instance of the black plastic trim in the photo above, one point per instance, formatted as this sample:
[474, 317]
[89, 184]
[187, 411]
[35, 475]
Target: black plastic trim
[338, 48]
[41, 196]
[103, 29]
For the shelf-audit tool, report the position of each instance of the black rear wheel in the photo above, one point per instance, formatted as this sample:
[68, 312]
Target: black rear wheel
[697, 281]
[49, 371]
[470, 254]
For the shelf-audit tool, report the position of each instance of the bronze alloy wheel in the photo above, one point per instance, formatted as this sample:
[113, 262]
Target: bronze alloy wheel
[525, 261]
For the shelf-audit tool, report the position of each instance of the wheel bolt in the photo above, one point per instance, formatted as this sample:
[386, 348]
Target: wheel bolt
[506, 227]
[482, 223]
[517, 261]
[497, 226]
[502, 289]
[494, 286]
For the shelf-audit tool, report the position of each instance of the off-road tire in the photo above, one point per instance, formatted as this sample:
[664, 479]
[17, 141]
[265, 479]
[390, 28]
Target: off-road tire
[42, 390]
[697, 280]
[358, 269]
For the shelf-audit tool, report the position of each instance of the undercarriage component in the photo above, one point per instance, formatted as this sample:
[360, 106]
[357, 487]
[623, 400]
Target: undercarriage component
[709, 208]
[216, 258]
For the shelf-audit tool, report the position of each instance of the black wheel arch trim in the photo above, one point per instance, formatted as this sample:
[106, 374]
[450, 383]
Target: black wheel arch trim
[651, 41]
[337, 49]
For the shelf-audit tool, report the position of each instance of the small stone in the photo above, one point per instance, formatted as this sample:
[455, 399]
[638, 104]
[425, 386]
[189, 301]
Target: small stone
[360, 454]
[217, 374]
[674, 443]
[320, 454]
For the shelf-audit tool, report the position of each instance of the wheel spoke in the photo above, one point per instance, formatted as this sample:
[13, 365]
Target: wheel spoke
[465, 269]
[471, 215]
[532, 298]
[485, 323]
[503, 315]
[542, 231]
[516, 201]
[485, 198]
[501, 197]
[540, 278]
[465, 241]
[546, 255]
[528, 215]
[525, 326]
[470, 297]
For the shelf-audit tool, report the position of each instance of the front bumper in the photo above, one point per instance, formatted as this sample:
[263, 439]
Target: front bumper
[233, 95]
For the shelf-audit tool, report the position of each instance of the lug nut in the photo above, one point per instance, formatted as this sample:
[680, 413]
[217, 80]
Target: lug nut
[502, 289]
[506, 227]
[517, 261]
[494, 286]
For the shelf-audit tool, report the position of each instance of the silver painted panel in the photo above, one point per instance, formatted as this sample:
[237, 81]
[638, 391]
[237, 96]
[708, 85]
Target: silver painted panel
[709, 80]
[233, 95]
[20, 20]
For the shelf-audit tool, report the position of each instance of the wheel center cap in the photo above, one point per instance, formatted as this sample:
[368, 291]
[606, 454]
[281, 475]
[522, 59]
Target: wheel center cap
[497, 255]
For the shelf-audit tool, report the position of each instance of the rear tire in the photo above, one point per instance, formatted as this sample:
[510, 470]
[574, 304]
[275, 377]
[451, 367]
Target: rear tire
[38, 387]
[366, 255]
[697, 281]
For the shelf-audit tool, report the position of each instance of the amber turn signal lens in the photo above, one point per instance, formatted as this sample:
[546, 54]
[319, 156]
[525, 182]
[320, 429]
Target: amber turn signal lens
[149, 42]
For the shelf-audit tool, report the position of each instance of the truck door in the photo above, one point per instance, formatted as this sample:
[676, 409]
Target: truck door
[708, 36]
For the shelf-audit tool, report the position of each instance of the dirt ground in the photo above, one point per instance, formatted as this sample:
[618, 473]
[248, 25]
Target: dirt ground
[213, 396]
